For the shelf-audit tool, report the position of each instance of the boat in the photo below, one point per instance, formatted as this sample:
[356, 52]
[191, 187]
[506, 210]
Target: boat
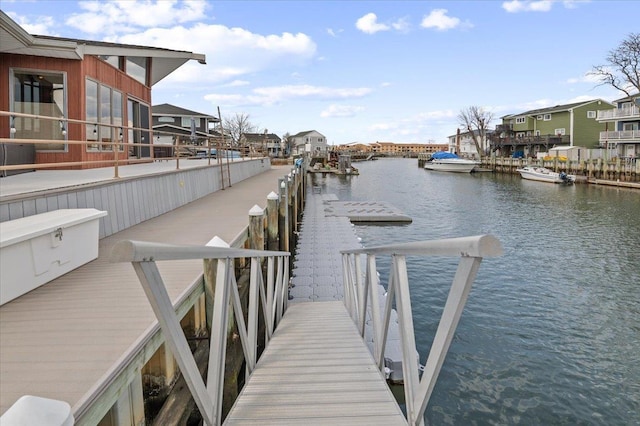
[543, 174]
[450, 162]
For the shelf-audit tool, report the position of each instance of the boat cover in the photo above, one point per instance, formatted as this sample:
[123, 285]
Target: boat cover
[443, 154]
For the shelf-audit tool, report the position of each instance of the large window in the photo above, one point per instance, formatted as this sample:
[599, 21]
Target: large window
[44, 94]
[138, 124]
[137, 68]
[105, 116]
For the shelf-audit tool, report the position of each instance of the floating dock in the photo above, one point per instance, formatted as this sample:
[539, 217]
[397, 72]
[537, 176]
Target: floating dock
[317, 267]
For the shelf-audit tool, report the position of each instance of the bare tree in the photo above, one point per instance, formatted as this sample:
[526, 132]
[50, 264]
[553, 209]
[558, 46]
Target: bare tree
[622, 70]
[476, 121]
[286, 142]
[238, 124]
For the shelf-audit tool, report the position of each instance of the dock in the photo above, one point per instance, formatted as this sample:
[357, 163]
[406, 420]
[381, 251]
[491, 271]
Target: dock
[316, 371]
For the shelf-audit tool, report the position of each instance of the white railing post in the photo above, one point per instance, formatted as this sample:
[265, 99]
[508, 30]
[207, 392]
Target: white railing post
[470, 250]
[460, 288]
[143, 257]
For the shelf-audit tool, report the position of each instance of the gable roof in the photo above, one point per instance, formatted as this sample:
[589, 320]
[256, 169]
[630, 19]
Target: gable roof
[175, 111]
[260, 137]
[15, 40]
[304, 133]
[557, 108]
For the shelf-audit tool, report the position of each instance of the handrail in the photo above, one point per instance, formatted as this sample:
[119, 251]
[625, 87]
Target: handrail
[361, 298]
[270, 298]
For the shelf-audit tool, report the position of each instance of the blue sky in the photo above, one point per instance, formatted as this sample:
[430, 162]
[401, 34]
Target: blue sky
[359, 71]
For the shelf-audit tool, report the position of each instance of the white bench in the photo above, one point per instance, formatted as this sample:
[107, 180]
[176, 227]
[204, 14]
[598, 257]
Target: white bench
[37, 249]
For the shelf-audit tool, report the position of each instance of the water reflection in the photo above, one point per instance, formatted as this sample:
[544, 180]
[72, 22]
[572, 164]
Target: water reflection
[550, 334]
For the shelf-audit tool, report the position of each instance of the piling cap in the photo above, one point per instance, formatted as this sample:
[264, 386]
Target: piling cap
[217, 242]
[272, 196]
[256, 211]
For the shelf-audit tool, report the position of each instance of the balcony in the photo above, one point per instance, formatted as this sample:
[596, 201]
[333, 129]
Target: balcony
[532, 140]
[619, 113]
[623, 136]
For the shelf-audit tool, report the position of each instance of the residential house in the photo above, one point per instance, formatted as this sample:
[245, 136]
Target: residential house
[265, 143]
[622, 132]
[539, 130]
[309, 141]
[462, 143]
[95, 91]
[171, 123]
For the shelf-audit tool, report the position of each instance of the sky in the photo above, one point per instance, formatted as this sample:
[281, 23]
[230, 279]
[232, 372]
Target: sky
[359, 71]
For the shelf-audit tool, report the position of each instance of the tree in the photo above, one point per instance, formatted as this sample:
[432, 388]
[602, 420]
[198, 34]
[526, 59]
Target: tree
[237, 125]
[476, 121]
[622, 70]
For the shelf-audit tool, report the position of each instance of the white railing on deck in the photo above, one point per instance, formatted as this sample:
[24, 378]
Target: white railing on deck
[271, 298]
[360, 295]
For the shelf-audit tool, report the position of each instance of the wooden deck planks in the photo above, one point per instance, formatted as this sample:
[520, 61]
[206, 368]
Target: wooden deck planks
[316, 370]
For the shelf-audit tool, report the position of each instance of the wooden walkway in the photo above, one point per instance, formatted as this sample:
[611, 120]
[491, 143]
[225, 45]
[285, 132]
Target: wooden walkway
[316, 370]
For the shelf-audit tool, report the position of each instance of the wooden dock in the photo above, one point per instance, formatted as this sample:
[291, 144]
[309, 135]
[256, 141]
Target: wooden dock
[317, 370]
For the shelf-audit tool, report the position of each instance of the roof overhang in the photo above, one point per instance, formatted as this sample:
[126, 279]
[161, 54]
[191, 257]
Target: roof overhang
[15, 40]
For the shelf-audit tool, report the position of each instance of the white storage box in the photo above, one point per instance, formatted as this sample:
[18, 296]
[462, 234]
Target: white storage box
[37, 249]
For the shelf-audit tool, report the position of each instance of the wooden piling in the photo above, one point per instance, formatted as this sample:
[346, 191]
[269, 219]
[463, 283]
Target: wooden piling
[256, 228]
[272, 221]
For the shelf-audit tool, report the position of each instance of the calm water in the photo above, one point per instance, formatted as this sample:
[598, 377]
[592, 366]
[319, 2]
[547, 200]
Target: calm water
[551, 330]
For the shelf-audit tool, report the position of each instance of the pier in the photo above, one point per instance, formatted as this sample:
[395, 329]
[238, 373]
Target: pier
[92, 340]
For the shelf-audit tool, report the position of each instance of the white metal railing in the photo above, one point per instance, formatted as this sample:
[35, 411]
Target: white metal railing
[272, 298]
[615, 113]
[361, 295]
[629, 135]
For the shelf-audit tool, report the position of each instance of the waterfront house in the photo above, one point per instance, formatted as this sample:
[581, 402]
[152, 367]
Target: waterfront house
[266, 143]
[309, 141]
[97, 92]
[539, 130]
[189, 127]
[622, 132]
[463, 145]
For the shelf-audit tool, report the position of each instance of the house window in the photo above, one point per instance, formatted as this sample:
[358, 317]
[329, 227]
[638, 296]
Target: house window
[138, 123]
[166, 120]
[547, 117]
[186, 122]
[44, 94]
[537, 133]
[591, 114]
[559, 131]
[539, 117]
[104, 115]
[137, 68]
[114, 61]
[521, 120]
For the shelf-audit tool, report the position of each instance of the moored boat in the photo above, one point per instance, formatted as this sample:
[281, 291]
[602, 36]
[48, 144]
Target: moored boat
[543, 174]
[450, 162]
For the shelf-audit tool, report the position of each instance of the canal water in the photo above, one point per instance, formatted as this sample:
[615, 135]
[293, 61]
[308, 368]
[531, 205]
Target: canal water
[551, 331]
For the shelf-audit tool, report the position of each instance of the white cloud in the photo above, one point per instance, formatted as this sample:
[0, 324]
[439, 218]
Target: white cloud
[369, 24]
[585, 78]
[333, 33]
[238, 83]
[44, 25]
[115, 17]
[402, 25]
[232, 52]
[340, 111]
[515, 6]
[439, 20]
[266, 96]
[315, 92]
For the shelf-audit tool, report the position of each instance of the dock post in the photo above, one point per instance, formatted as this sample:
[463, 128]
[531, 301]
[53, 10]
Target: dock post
[272, 221]
[282, 215]
[256, 228]
[210, 276]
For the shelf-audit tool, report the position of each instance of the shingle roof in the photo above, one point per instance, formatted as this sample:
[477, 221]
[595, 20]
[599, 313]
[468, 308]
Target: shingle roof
[174, 111]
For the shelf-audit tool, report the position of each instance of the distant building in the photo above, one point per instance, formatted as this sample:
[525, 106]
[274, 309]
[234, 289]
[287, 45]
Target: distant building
[622, 132]
[466, 147]
[403, 149]
[268, 144]
[315, 142]
[539, 130]
[190, 127]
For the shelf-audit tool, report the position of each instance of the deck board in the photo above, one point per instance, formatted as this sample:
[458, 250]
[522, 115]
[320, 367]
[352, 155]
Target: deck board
[316, 370]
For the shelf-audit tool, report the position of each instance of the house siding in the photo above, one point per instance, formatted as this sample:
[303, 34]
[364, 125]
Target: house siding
[76, 72]
[586, 131]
